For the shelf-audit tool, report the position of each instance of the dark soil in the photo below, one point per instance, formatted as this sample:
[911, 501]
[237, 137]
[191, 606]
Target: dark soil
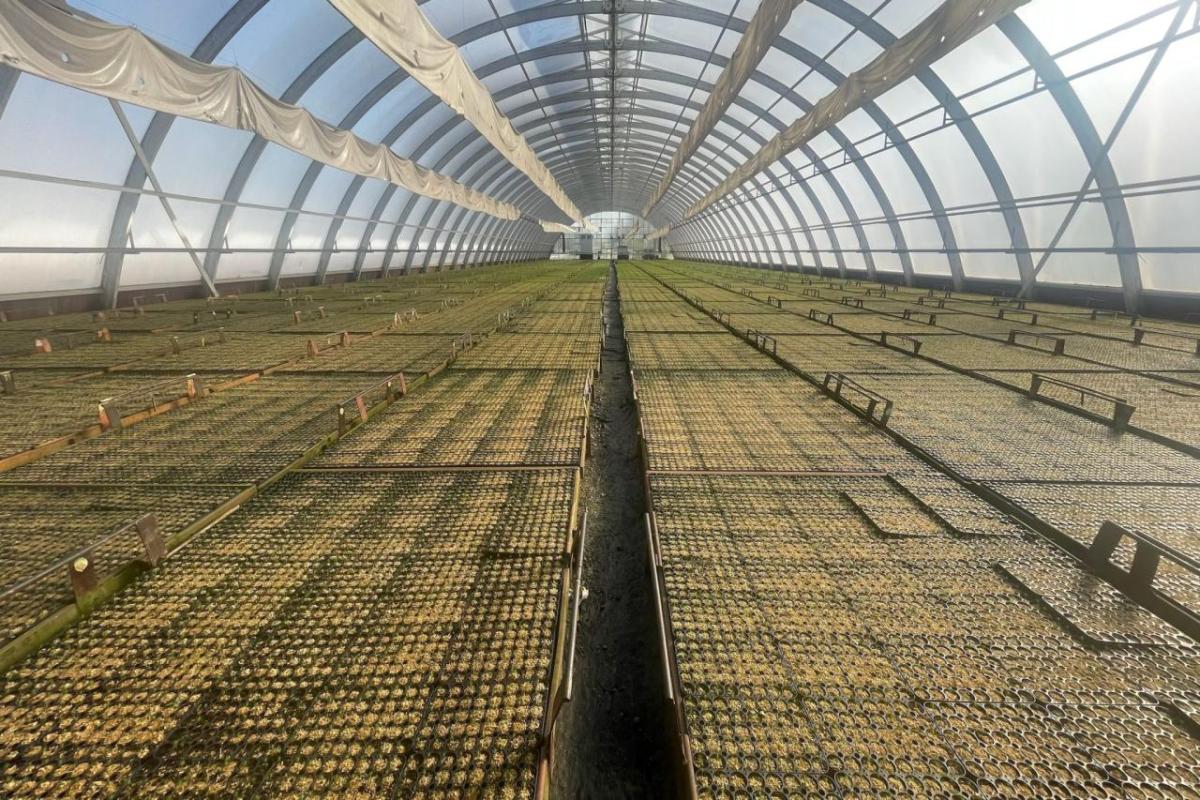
[612, 738]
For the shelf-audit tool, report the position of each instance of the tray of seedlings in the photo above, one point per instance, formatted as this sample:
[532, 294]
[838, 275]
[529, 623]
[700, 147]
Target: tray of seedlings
[33, 414]
[43, 527]
[534, 351]
[558, 323]
[675, 317]
[476, 417]
[987, 432]
[667, 351]
[776, 322]
[1126, 355]
[750, 421]
[332, 637]
[238, 436]
[817, 355]
[379, 354]
[86, 349]
[800, 677]
[977, 353]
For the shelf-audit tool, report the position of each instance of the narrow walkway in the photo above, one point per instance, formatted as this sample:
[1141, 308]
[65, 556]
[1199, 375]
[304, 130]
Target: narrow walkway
[612, 738]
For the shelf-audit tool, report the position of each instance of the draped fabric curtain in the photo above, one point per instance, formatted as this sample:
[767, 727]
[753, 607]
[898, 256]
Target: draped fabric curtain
[401, 31]
[768, 21]
[123, 64]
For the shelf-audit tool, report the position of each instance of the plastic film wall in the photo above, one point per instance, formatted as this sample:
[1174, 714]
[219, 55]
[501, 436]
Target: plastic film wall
[964, 172]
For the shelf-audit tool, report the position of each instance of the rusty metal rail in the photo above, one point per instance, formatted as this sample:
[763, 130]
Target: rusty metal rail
[1122, 409]
[392, 387]
[837, 385]
[81, 564]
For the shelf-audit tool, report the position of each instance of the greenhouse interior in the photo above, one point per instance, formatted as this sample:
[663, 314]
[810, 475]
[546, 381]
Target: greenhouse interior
[600, 399]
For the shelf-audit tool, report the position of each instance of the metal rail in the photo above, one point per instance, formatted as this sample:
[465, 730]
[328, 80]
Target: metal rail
[1122, 409]
[578, 596]
[82, 567]
[658, 609]
[837, 384]
[1146, 557]
[1058, 344]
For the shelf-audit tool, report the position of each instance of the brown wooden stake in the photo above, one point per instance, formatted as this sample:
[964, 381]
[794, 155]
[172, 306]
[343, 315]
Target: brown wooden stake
[82, 572]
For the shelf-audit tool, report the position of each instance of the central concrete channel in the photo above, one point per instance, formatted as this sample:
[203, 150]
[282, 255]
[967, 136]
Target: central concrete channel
[612, 739]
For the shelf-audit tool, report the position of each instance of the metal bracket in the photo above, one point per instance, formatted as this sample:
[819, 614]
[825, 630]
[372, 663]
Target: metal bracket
[153, 543]
[1147, 554]
[83, 576]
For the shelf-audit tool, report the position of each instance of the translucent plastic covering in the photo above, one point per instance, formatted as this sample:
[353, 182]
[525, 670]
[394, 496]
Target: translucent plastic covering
[1052, 148]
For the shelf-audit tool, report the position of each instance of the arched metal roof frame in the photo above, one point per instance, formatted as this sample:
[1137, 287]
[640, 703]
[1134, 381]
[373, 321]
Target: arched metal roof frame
[723, 228]
[561, 157]
[1012, 27]
[963, 121]
[679, 205]
[832, 75]
[311, 74]
[156, 133]
[966, 125]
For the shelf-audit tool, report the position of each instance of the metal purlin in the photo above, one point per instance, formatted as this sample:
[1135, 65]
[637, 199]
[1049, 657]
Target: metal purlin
[732, 122]
[679, 50]
[1011, 26]
[8, 82]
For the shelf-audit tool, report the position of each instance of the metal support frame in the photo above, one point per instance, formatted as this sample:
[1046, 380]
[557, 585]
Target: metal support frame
[166, 204]
[1044, 65]
[156, 133]
[1132, 282]
[1084, 129]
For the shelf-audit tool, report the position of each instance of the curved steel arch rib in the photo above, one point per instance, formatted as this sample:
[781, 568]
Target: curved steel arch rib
[243, 10]
[152, 140]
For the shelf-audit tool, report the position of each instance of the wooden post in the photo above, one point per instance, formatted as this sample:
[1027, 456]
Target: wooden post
[82, 572]
[153, 544]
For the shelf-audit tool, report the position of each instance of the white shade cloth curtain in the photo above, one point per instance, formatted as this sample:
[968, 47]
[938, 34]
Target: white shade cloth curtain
[123, 64]
[768, 21]
[401, 31]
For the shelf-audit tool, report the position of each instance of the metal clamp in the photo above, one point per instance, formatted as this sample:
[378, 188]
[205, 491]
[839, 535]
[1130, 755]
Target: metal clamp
[1140, 333]
[1058, 344]
[1005, 313]
[912, 341]
[874, 401]
[1122, 409]
[911, 314]
[81, 565]
[359, 402]
[1146, 555]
